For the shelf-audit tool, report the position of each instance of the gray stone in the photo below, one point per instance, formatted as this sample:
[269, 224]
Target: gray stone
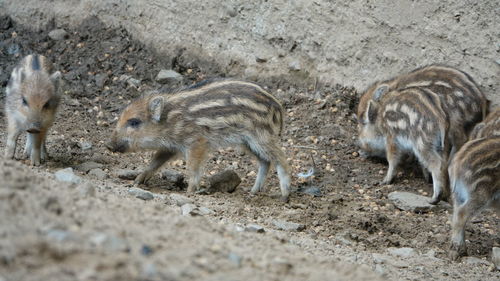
[87, 166]
[100, 80]
[189, 209]
[13, 49]
[141, 193]
[205, 211]
[67, 175]
[288, 226]
[135, 83]
[173, 176]
[407, 201]
[58, 235]
[168, 76]
[495, 257]
[254, 228]
[225, 181]
[86, 189]
[85, 145]
[402, 252]
[126, 174]
[312, 190]
[294, 66]
[475, 261]
[180, 200]
[58, 34]
[98, 174]
[109, 242]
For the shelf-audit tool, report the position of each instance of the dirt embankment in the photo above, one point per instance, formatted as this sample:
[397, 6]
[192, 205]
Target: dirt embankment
[351, 43]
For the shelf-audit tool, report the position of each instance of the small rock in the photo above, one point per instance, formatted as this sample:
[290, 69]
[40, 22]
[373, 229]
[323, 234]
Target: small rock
[294, 66]
[109, 242]
[205, 211]
[87, 166]
[58, 235]
[85, 145]
[475, 261]
[495, 257]
[146, 250]
[136, 83]
[225, 181]
[141, 193]
[100, 80]
[180, 200]
[407, 201]
[235, 259]
[86, 189]
[58, 34]
[67, 175]
[98, 174]
[168, 76]
[125, 174]
[13, 49]
[188, 209]
[312, 190]
[288, 226]
[402, 252]
[254, 228]
[174, 177]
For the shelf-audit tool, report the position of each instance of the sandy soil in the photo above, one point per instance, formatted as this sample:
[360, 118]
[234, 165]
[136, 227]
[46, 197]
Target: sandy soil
[57, 231]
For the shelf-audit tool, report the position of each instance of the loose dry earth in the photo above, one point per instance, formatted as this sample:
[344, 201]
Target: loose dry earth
[96, 230]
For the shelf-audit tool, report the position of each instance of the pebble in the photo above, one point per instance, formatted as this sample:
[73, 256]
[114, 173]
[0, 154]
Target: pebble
[109, 242]
[58, 235]
[168, 76]
[125, 174]
[254, 228]
[100, 80]
[146, 250]
[67, 175]
[141, 193]
[85, 145]
[13, 49]
[225, 181]
[312, 190]
[402, 252]
[87, 166]
[407, 201]
[174, 177]
[288, 226]
[98, 174]
[180, 200]
[58, 34]
[188, 209]
[475, 261]
[495, 257]
[294, 66]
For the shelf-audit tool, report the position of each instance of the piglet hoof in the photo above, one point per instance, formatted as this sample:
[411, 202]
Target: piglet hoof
[142, 178]
[456, 252]
[285, 199]
[191, 189]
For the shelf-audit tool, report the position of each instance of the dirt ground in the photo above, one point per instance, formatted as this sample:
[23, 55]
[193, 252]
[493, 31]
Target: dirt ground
[57, 231]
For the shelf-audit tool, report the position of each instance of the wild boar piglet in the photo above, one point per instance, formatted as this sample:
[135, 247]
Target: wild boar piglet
[208, 115]
[31, 102]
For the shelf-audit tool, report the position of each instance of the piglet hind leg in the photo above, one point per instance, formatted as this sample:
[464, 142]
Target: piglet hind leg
[393, 157]
[159, 158]
[196, 158]
[461, 214]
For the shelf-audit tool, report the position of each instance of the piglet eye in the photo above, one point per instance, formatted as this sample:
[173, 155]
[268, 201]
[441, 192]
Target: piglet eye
[25, 103]
[46, 105]
[133, 122]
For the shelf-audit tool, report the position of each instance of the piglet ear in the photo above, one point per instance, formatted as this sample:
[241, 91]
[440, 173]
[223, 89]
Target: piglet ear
[371, 112]
[156, 108]
[380, 91]
[56, 79]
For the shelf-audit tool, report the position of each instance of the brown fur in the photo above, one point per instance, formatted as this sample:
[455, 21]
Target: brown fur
[194, 120]
[465, 103]
[475, 179]
[409, 121]
[30, 105]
